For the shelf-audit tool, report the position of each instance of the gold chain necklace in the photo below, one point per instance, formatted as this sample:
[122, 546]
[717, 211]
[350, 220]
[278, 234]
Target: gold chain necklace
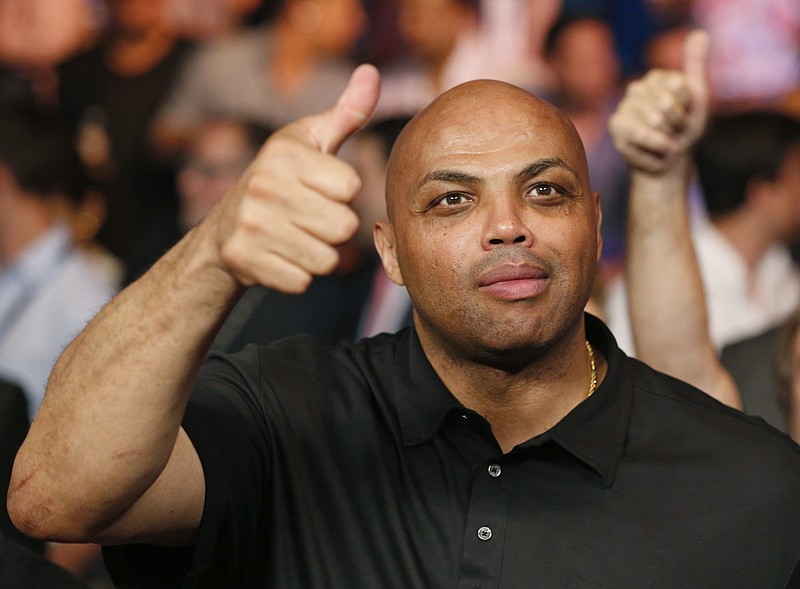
[593, 382]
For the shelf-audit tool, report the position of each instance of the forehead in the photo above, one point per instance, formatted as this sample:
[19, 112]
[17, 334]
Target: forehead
[488, 126]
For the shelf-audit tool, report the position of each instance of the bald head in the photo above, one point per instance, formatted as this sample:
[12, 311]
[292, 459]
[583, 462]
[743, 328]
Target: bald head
[474, 117]
[493, 227]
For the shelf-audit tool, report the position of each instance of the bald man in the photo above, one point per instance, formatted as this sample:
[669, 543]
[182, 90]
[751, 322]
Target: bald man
[503, 441]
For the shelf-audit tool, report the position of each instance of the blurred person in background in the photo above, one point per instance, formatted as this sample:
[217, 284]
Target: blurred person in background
[108, 95]
[35, 35]
[269, 75]
[748, 165]
[431, 31]
[207, 20]
[49, 288]
[754, 58]
[587, 86]
[218, 153]
[787, 367]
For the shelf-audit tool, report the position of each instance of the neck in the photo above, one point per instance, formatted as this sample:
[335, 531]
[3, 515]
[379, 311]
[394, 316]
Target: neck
[523, 402]
[748, 234]
[31, 220]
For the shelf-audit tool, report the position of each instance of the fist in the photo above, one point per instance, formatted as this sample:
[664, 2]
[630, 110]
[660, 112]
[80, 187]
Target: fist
[279, 225]
[663, 114]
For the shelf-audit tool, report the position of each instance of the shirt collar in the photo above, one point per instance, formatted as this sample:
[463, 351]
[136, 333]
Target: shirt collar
[43, 255]
[594, 432]
[421, 398]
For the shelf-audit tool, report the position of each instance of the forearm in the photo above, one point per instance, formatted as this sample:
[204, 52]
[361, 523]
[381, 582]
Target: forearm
[113, 407]
[665, 290]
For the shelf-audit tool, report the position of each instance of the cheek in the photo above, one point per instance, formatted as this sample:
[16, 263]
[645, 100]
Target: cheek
[435, 264]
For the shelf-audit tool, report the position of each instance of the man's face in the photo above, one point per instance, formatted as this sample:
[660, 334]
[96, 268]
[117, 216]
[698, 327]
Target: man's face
[787, 187]
[493, 228]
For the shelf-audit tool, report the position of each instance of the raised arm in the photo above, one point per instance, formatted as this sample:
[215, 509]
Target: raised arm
[106, 459]
[655, 128]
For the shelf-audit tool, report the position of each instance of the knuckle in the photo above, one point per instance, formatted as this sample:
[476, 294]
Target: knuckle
[298, 284]
[353, 183]
[232, 254]
[259, 184]
[345, 227]
[327, 261]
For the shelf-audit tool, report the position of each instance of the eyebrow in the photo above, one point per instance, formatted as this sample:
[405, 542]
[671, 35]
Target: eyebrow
[529, 171]
[449, 176]
[539, 166]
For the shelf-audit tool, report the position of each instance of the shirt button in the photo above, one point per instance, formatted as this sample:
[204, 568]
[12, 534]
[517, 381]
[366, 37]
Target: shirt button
[495, 470]
[484, 533]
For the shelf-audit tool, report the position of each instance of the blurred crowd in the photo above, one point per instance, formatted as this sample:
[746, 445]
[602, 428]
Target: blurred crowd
[122, 123]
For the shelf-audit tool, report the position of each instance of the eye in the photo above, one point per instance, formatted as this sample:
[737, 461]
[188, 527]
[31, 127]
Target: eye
[545, 190]
[452, 199]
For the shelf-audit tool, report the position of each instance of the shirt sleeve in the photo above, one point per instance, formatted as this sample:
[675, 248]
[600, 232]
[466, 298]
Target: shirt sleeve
[225, 424]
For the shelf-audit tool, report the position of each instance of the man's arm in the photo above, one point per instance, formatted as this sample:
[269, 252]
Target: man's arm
[655, 128]
[106, 459]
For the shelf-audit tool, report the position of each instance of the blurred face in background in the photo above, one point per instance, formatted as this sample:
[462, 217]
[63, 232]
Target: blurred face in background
[585, 63]
[216, 158]
[136, 16]
[334, 25]
[431, 27]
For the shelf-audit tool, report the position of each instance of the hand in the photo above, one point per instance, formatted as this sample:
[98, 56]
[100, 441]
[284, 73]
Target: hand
[663, 114]
[279, 224]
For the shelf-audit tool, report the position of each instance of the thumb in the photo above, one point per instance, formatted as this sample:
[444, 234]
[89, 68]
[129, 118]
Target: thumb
[354, 107]
[695, 65]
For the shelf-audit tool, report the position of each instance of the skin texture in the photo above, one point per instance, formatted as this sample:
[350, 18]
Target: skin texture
[475, 201]
[106, 459]
[655, 127]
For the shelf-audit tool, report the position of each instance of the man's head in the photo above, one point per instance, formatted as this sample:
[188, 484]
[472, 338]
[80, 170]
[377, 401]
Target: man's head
[328, 26]
[583, 57]
[492, 225]
[431, 28]
[38, 159]
[751, 161]
[217, 155]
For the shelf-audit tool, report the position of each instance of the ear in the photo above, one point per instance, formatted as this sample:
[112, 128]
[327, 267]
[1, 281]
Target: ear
[598, 212]
[383, 234]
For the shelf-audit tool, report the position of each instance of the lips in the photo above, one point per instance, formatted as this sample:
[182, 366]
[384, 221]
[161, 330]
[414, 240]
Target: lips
[508, 272]
[513, 282]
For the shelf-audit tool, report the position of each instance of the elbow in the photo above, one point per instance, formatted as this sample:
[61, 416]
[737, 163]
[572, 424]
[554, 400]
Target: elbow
[39, 515]
[27, 515]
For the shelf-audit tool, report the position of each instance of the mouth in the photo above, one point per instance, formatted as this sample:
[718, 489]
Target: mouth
[513, 282]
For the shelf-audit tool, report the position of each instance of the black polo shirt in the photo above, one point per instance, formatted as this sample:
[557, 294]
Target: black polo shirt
[353, 466]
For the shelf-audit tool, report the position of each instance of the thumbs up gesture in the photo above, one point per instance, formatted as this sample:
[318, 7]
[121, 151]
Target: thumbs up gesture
[663, 114]
[279, 225]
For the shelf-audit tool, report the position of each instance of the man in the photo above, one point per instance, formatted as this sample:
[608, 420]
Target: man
[49, 287]
[749, 169]
[655, 132]
[503, 441]
[270, 76]
[581, 52]
[109, 94]
[434, 33]
[749, 165]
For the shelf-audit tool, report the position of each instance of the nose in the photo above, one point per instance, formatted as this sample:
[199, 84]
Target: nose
[505, 225]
